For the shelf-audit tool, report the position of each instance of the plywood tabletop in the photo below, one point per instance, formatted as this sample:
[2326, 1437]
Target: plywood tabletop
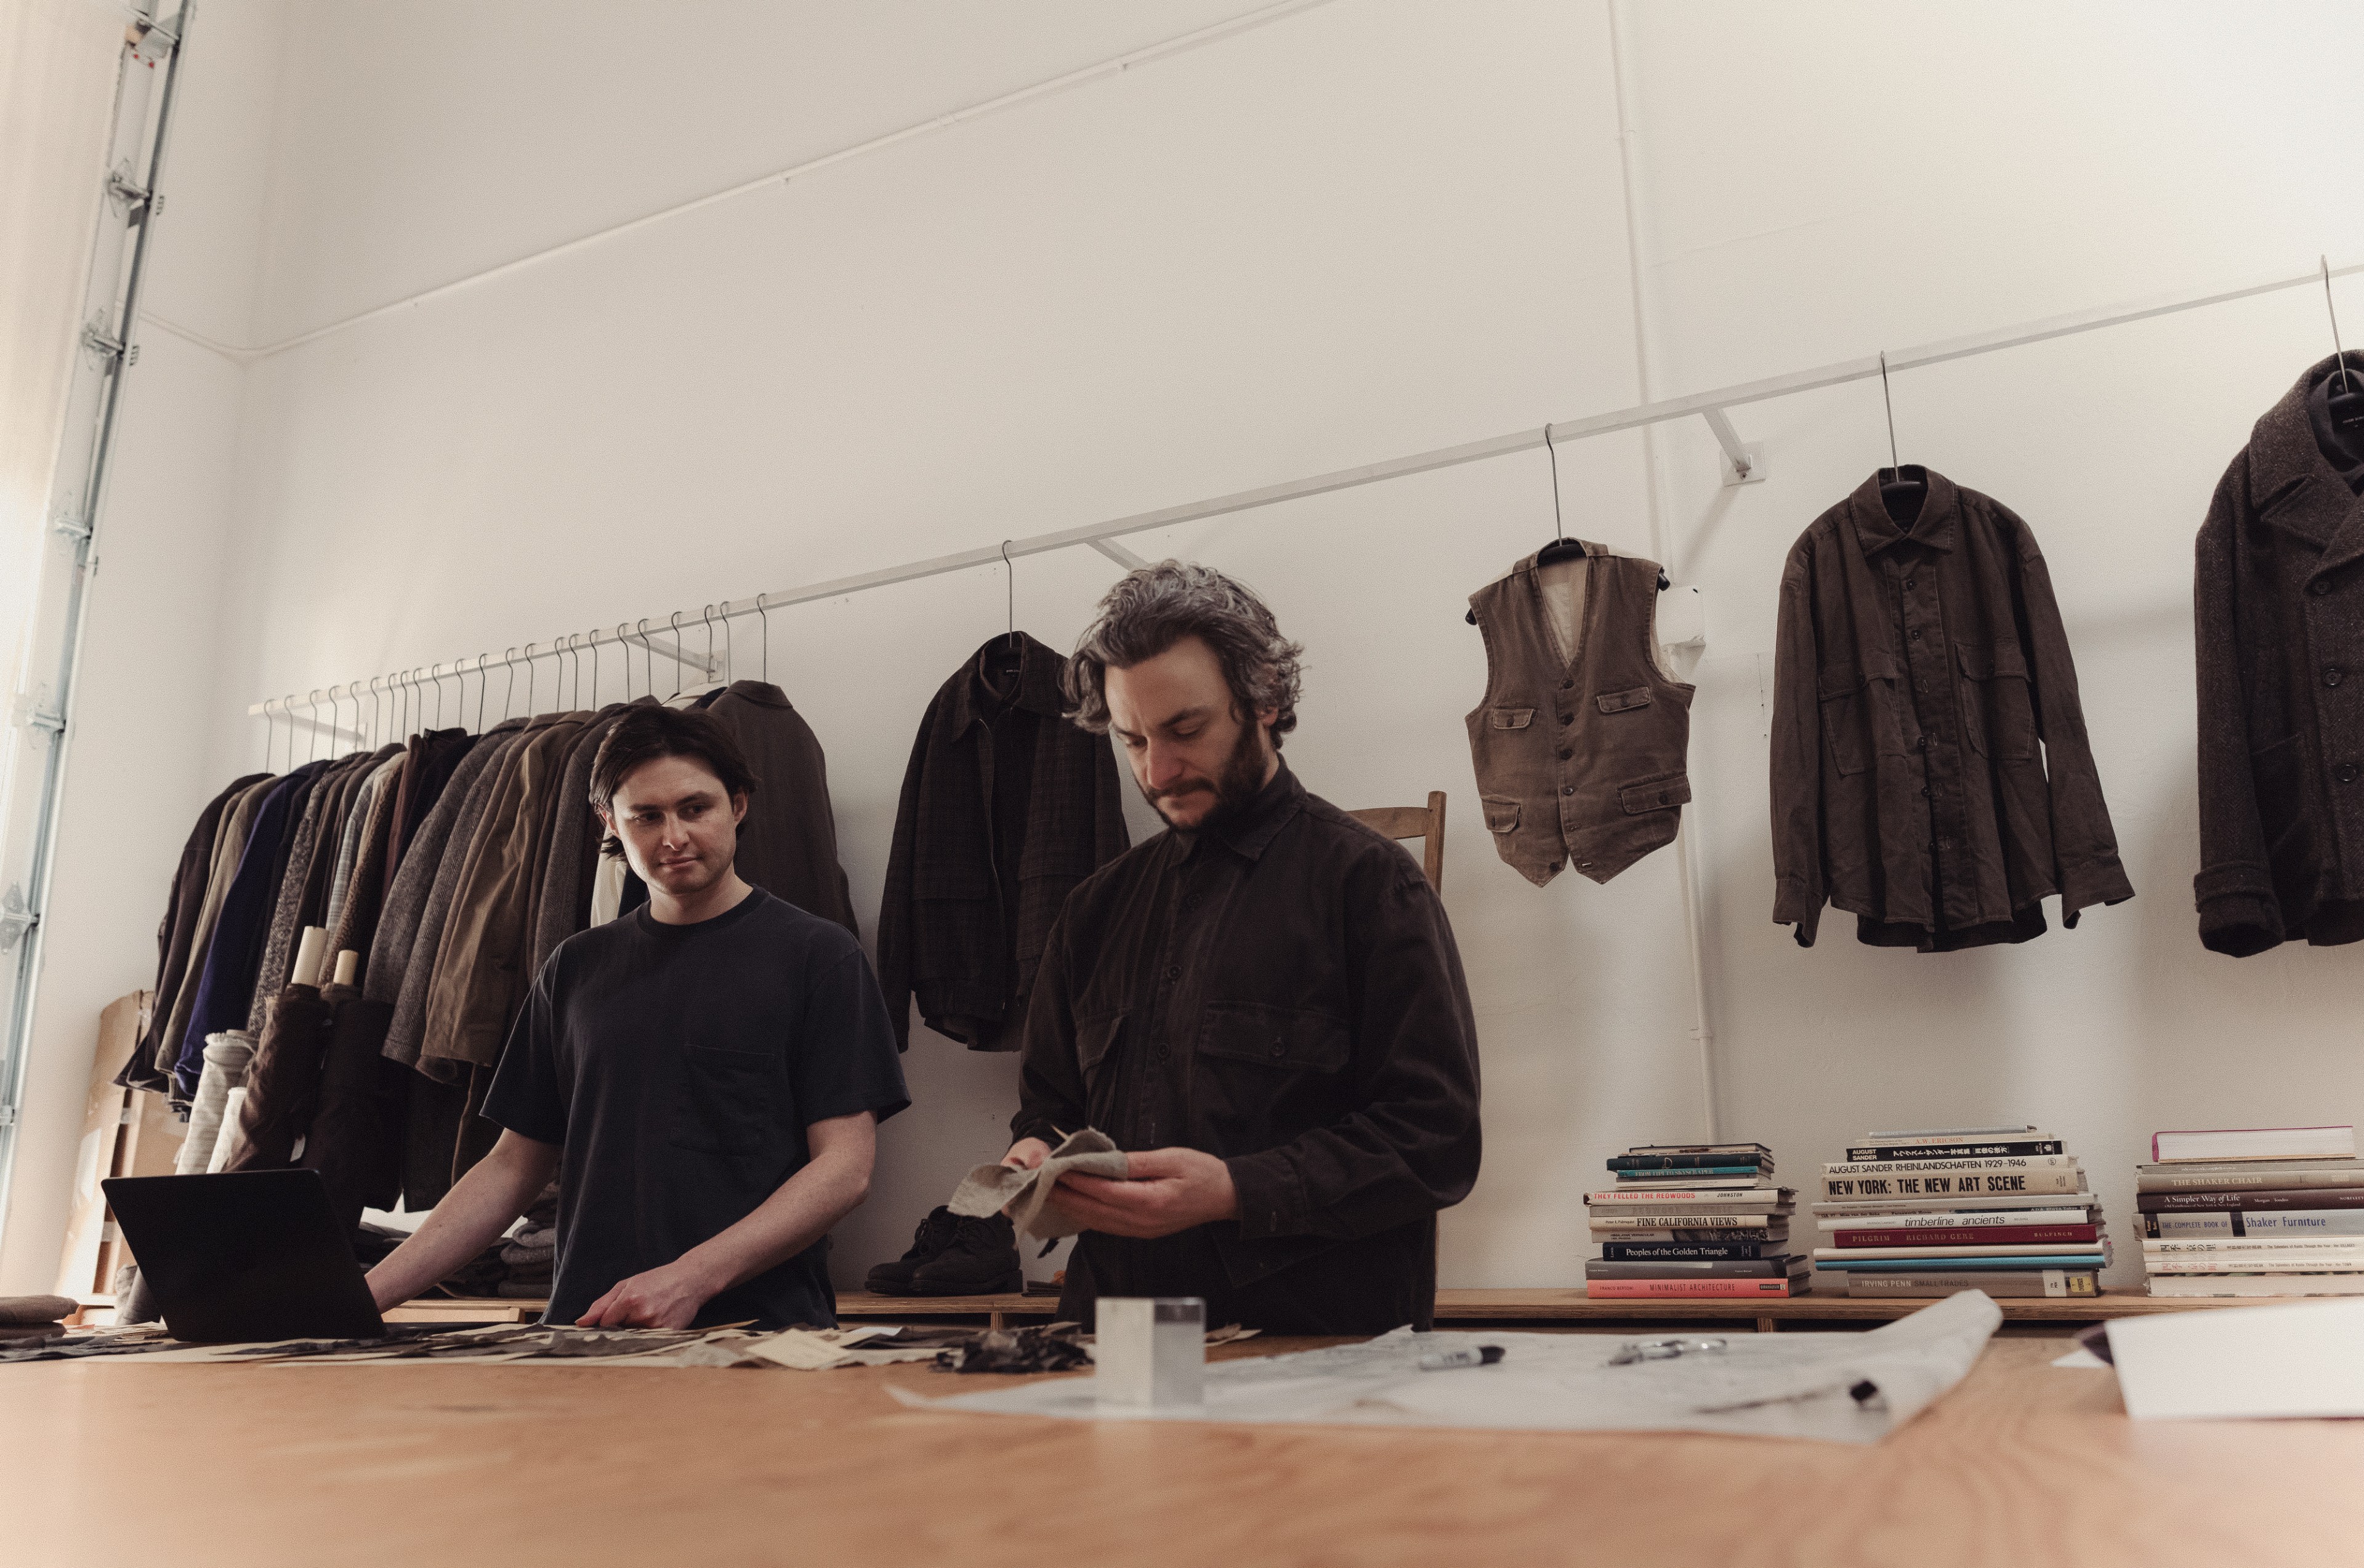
[363, 1466]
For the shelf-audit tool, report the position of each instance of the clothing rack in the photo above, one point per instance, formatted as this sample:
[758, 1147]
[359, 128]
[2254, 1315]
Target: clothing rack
[1742, 463]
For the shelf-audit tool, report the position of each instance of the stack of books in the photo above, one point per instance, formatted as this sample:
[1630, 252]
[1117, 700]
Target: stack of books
[1929, 1211]
[2263, 1211]
[1693, 1220]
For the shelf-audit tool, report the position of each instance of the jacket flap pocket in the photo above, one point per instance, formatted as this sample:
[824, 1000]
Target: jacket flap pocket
[1502, 813]
[1293, 1037]
[1985, 660]
[1511, 718]
[1094, 1036]
[1618, 702]
[1658, 794]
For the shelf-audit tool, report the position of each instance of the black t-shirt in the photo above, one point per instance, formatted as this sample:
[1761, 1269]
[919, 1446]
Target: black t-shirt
[679, 1067]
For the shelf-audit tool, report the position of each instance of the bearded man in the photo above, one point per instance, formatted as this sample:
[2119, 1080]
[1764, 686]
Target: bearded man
[1262, 1005]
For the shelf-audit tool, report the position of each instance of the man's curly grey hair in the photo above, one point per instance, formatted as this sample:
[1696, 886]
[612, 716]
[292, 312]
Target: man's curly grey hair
[1153, 608]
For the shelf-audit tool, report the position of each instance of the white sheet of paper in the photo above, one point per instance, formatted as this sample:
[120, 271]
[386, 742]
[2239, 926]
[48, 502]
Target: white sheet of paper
[2300, 1359]
[2081, 1360]
[1795, 1385]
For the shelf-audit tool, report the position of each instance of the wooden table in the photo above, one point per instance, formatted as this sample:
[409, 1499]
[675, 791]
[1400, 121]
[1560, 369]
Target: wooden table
[1551, 1307]
[510, 1466]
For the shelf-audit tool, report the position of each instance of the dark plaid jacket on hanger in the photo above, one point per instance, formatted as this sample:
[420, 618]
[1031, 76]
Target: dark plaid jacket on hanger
[1005, 807]
[2279, 598]
[1931, 773]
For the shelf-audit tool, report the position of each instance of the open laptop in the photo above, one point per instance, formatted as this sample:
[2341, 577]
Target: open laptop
[245, 1256]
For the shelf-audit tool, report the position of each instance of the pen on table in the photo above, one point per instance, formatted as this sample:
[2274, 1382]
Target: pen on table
[1475, 1355]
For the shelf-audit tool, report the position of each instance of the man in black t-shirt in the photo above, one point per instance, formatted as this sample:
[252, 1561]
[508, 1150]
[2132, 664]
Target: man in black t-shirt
[705, 1075]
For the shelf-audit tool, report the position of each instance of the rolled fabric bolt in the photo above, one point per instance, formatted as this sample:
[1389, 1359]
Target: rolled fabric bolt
[349, 963]
[309, 955]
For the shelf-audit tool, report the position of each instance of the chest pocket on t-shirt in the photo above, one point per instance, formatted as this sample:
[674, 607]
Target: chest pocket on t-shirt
[725, 1102]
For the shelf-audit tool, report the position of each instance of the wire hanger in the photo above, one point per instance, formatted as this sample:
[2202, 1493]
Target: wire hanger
[706, 614]
[1901, 489]
[673, 621]
[2347, 405]
[764, 615]
[480, 691]
[1561, 548]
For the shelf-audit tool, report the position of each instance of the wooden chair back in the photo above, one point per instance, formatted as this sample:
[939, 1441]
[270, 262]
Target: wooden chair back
[1425, 823]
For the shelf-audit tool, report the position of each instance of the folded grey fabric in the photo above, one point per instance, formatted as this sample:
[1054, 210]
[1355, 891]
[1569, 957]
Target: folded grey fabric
[539, 1252]
[28, 1311]
[1027, 1194]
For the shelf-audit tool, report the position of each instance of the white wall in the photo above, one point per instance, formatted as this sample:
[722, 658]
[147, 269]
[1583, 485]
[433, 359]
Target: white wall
[1363, 229]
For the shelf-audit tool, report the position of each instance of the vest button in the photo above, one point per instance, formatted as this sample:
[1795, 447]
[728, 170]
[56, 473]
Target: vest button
[1567, 789]
[1564, 755]
[2346, 772]
[1568, 685]
[2332, 674]
[2320, 585]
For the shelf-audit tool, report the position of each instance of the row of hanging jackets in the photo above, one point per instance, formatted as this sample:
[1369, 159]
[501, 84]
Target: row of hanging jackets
[1930, 769]
[448, 867]
[451, 866]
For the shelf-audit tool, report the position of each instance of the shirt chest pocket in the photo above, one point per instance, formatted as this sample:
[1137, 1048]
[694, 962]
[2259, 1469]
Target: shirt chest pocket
[724, 1102]
[1996, 710]
[1284, 1039]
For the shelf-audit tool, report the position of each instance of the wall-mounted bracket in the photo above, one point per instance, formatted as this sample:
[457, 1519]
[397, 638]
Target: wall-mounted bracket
[133, 197]
[15, 920]
[109, 349]
[675, 651]
[1744, 461]
[1119, 555]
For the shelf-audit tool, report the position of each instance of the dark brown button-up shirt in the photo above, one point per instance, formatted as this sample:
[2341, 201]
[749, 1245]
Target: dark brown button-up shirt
[2280, 601]
[1284, 993]
[1931, 773]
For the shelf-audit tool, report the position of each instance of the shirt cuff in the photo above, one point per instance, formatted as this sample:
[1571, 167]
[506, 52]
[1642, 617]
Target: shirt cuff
[1271, 1198]
[2238, 912]
[1793, 905]
[2097, 880]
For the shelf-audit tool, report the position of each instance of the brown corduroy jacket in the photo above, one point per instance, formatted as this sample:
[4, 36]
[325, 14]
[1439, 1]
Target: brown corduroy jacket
[1931, 773]
[2279, 605]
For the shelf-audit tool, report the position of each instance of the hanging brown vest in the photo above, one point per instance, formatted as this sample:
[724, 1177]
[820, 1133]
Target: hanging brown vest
[1580, 743]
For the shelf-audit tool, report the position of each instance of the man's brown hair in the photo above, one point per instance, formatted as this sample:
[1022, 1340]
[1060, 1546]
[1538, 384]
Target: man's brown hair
[646, 733]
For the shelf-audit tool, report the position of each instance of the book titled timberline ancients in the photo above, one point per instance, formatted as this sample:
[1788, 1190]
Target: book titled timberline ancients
[1844, 1218]
[1969, 1236]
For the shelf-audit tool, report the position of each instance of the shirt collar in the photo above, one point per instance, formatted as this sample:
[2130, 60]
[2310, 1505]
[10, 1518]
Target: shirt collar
[1255, 829]
[1875, 531]
[2292, 483]
[1038, 692]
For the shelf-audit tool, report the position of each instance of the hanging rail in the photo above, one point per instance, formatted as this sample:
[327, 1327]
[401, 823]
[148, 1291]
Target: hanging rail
[1742, 463]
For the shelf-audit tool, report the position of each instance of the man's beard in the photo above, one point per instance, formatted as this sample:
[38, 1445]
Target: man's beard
[1237, 783]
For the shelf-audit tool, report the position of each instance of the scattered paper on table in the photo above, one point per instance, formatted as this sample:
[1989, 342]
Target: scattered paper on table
[1838, 1387]
[2081, 1359]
